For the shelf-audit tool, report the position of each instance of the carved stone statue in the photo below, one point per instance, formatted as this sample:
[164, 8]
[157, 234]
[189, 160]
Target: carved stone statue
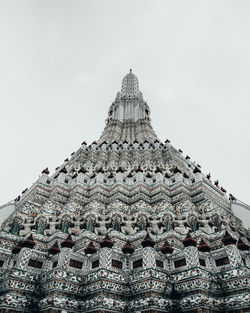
[181, 222]
[154, 223]
[76, 229]
[53, 222]
[128, 225]
[29, 221]
[203, 224]
[102, 223]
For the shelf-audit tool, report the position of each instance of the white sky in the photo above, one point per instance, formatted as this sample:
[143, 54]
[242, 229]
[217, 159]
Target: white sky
[62, 62]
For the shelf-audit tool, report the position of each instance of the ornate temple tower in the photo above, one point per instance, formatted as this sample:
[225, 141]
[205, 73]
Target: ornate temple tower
[126, 224]
[128, 117]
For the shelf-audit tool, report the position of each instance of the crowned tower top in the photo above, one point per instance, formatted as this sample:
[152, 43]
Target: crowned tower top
[129, 115]
[130, 86]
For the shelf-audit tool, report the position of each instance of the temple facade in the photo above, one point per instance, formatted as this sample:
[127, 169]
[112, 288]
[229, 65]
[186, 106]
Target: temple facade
[126, 224]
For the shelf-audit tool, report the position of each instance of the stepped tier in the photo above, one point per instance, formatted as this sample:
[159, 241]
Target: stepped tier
[126, 224]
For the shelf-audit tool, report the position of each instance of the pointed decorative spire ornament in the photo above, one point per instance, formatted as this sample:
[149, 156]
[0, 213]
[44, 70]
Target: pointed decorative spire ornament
[203, 246]
[90, 249]
[28, 242]
[148, 242]
[228, 239]
[68, 242]
[45, 171]
[17, 248]
[128, 118]
[106, 242]
[166, 248]
[128, 248]
[189, 241]
[54, 249]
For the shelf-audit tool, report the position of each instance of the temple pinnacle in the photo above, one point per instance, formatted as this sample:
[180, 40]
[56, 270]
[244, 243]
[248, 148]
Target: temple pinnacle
[128, 116]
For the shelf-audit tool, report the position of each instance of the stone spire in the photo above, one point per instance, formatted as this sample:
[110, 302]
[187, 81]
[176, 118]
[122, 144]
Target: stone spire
[129, 115]
[126, 208]
[130, 86]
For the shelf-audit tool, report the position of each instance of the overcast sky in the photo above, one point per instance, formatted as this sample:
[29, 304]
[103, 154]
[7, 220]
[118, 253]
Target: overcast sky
[62, 62]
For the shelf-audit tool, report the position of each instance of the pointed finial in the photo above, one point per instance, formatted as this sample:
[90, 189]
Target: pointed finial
[130, 71]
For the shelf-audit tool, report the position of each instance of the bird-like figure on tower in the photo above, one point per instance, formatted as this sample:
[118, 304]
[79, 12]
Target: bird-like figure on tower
[126, 224]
